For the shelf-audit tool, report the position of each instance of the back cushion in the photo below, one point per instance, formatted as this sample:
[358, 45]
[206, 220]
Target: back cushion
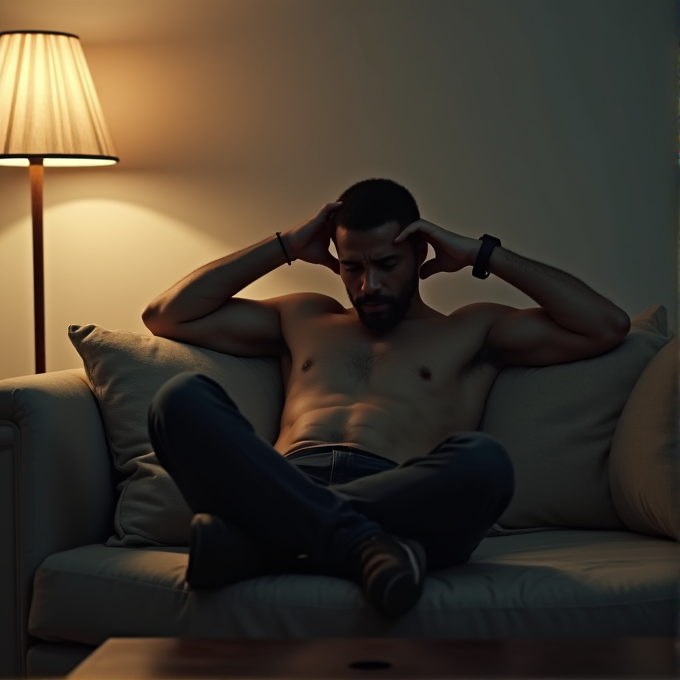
[125, 371]
[557, 423]
[644, 463]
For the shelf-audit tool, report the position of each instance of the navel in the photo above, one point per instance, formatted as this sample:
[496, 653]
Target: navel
[425, 373]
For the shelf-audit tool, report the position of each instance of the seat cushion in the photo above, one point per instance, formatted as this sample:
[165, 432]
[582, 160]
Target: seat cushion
[550, 584]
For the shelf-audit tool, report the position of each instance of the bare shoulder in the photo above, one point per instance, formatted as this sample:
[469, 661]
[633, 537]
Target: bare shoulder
[481, 313]
[298, 305]
[296, 311]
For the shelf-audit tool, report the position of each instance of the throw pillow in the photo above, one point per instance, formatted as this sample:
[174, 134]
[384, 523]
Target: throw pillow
[557, 423]
[125, 371]
[643, 463]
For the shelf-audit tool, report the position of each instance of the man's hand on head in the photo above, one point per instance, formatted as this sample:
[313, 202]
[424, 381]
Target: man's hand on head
[310, 241]
[452, 251]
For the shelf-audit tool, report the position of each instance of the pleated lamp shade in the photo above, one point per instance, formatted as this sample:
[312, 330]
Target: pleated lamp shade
[49, 108]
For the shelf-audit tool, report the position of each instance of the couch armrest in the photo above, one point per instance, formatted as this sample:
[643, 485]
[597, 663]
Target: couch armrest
[56, 489]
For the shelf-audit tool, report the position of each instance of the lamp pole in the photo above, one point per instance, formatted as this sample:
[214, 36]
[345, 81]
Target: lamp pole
[36, 173]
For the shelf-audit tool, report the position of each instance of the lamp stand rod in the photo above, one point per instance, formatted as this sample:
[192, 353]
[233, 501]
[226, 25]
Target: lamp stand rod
[36, 173]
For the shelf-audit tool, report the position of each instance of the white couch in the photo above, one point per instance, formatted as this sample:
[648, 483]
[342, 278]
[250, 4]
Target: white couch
[95, 533]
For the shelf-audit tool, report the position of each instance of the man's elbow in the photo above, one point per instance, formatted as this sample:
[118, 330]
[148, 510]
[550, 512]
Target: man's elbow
[150, 320]
[618, 330]
[622, 325]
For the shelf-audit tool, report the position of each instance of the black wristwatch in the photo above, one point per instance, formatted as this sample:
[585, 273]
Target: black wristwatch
[490, 242]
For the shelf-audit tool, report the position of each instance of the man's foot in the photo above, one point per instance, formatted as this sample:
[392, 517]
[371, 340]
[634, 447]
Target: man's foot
[220, 555]
[390, 571]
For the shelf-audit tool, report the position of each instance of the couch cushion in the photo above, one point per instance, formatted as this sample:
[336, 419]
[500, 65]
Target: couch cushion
[125, 371]
[557, 423]
[551, 584]
[644, 465]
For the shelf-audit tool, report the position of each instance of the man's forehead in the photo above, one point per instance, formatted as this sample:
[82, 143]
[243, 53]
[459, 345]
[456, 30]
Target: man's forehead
[382, 249]
[378, 238]
[381, 231]
[358, 256]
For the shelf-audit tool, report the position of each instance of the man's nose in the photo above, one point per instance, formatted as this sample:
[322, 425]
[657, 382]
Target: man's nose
[370, 283]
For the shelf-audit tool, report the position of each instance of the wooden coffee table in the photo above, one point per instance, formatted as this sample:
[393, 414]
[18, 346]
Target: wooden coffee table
[362, 658]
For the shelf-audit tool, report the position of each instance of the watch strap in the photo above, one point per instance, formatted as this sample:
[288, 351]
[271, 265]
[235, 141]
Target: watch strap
[489, 243]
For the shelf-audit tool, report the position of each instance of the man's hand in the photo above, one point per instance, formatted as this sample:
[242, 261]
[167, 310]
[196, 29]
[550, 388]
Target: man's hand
[310, 240]
[452, 251]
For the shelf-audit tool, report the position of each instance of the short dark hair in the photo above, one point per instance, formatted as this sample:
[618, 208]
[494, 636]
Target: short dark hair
[372, 202]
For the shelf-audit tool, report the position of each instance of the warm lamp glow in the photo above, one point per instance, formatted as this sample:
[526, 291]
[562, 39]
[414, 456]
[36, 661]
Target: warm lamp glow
[49, 108]
[58, 162]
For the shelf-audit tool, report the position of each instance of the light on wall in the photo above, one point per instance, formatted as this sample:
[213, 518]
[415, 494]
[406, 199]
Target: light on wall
[49, 116]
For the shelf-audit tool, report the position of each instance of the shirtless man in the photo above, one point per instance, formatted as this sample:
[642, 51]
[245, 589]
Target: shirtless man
[382, 399]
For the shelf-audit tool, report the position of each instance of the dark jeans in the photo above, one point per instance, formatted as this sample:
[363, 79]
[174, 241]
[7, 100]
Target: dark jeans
[322, 502]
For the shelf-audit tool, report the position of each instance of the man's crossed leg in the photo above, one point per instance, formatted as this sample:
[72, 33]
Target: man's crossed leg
[256, 512]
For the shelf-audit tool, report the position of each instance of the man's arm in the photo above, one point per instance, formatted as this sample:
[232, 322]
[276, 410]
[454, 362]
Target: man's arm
[206, 289]
[200, 309]
[573, 322]
[570, 302]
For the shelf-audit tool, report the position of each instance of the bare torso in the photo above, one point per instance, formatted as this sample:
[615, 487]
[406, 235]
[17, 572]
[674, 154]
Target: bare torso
[397, 396]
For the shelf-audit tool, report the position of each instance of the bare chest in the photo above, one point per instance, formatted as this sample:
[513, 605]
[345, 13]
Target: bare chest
[427, 365]
[353, 366]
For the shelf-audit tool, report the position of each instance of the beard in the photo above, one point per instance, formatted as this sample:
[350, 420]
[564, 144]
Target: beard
[395, 310]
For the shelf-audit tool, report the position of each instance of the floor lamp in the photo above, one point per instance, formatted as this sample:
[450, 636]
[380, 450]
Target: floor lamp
[49, 116]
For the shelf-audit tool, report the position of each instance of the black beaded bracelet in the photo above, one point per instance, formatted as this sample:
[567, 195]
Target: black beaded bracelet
[278, 235]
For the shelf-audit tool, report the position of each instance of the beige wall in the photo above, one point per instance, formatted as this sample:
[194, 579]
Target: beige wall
[547, 123]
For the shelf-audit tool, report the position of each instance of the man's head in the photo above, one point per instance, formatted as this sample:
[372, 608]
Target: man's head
[373, 213]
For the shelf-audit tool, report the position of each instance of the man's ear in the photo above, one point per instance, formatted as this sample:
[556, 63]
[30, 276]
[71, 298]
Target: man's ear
[335, 243]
